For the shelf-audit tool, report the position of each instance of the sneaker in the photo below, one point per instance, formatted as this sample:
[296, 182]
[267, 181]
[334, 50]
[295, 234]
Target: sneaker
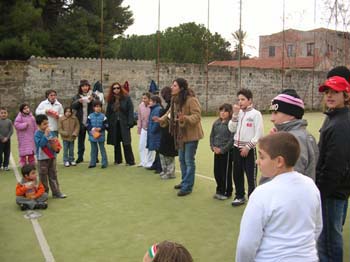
[59, 195]
[238, 201]
[40, 206]
[66, 164]
[24, 207]
[161, 173]
[73, 163]
[215, 196]
[177, 186]
[171, 176]
[221, 197]
[92, 166]
[183, 193]
[104, 166]
[130, 164]
[79, 160]
[6, 168]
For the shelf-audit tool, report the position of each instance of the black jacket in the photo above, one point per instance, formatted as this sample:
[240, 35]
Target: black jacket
[333, 166]
[167, 142]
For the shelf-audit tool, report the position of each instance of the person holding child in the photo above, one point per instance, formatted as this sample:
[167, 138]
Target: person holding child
[30, 192]
[25, 127]
[46, 156]
[333, 166]
[247, 124]
[283, 218]
[96, 125]
[221, 143]
[6, 131]
[120, 115]
[52, 108]
[68, 128]
[287, 110]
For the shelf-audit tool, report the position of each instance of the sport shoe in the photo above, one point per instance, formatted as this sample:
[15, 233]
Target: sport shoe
[177, 186]
[66, 164]
[59, 195]
[73, 163]
[238, 201]
[221, 197]
[79, 160]
[183, 193]
[6, 168]
[24, 207]
[40, 206]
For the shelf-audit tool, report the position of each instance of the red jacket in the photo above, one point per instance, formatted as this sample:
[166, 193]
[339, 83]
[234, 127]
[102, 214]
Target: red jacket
[21, 190]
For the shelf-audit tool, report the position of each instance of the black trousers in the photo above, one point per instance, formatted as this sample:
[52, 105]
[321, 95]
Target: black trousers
[223, 173]
[128, 154]
[243, 165]
[5, 150]
[81, 143]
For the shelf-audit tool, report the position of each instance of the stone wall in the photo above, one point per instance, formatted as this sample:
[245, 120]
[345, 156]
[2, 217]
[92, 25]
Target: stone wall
[27, 80]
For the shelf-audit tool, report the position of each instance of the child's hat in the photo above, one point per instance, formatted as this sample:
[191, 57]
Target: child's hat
[342, 71]
[336, 83]
[288, 102]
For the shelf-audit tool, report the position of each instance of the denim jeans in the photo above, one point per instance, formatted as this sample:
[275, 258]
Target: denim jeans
[93, 155]
[68, 151]
[330, 242]
[188, 165]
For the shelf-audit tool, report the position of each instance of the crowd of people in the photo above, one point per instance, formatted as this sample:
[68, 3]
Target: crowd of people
[295, 214]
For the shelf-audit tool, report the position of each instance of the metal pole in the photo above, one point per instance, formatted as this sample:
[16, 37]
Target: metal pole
[158, 43]
[207, 67]
[101, 44]
[283, 44]
[313, 60]
[240, 45]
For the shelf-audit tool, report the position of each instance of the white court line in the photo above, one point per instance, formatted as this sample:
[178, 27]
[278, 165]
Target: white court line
[45, 249]
[201, 176]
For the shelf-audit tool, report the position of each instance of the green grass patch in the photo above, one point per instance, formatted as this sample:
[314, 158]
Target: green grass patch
[115, 214]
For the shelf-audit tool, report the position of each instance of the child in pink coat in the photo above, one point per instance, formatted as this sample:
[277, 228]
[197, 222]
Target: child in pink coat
[25, 127]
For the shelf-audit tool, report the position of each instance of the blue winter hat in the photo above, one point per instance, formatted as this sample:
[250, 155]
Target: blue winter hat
[153, 88]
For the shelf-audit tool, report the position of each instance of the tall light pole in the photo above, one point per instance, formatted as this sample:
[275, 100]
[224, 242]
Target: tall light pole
[240, 46]
[283, 44]
[207, 62]
[101, 44]
[158, 43]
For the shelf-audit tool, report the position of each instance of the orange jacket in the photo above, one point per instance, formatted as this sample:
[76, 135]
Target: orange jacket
[21, 190]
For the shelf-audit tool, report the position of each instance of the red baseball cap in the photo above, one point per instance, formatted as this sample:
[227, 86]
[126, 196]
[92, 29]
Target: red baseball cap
[336, 83]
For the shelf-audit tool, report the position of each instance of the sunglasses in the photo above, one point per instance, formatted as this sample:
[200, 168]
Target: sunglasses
[115, 87]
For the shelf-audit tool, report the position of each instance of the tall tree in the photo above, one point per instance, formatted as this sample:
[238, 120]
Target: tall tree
[239, 37]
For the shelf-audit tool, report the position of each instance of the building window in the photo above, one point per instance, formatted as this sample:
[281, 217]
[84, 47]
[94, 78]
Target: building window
[271, 51]
[310, 49]
[290, 51]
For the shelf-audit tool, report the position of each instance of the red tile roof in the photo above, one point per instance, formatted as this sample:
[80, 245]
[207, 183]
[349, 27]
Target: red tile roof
[274, 63]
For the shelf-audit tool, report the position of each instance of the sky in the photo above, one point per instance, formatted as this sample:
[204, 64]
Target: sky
[259, 17]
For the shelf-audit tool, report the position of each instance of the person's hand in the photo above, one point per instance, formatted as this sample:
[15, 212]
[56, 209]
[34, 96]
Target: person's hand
[156, 119]
[181, 116]
[47, 131]
[4, 140]
[273, 130]
[236, 109]
[244, 151]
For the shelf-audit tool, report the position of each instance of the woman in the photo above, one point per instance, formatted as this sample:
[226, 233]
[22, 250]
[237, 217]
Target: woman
[120, 115]
[82, 106]
[184, 120]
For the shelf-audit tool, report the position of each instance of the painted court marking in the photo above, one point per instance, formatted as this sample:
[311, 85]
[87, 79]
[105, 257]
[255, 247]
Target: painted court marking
[45, 249]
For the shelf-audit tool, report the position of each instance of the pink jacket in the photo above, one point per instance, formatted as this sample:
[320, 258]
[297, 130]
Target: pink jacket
[25, 126]
[142, 119]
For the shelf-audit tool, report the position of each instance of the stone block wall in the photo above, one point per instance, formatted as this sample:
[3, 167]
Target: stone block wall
[28, 80]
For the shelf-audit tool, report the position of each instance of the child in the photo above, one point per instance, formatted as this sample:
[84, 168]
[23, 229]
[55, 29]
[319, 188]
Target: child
[287, 110]
[6, 131]
[30, 192]
[333, 167]
[167, 151]
[153, 133]
[142, 126]
[221, 143]
[46, 157]
[96, 125]
[282, 220]
[167, 251]
[25, 126]
[247, 123]
[68, 127]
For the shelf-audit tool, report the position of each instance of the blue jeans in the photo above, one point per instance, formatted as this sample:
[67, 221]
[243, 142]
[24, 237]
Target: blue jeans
[68, 151]
[94, 152]
[188, 165]
[330, 242]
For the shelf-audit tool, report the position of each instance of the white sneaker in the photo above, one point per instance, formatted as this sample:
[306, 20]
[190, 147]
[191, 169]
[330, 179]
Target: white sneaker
[238, 201]
[73, 163]
[66, 164]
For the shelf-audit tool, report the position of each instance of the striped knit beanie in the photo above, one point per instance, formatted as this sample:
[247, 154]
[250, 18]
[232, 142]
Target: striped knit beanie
[288, 102]
[152, 251]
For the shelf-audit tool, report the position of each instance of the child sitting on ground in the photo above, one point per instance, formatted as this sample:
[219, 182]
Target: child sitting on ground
[167, 251]
[270, 229]
[221, 143]
[30, 192]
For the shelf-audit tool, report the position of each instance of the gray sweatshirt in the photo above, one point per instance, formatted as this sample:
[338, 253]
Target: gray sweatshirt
[6, 129]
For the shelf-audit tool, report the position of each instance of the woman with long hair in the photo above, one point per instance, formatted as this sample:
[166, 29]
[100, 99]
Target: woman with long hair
[184, 121]
[120, 115]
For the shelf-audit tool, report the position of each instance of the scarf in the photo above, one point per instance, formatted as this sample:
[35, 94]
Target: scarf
[174, 128]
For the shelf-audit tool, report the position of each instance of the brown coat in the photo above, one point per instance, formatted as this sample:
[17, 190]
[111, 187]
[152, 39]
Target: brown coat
[191, 128]
[68, 128]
